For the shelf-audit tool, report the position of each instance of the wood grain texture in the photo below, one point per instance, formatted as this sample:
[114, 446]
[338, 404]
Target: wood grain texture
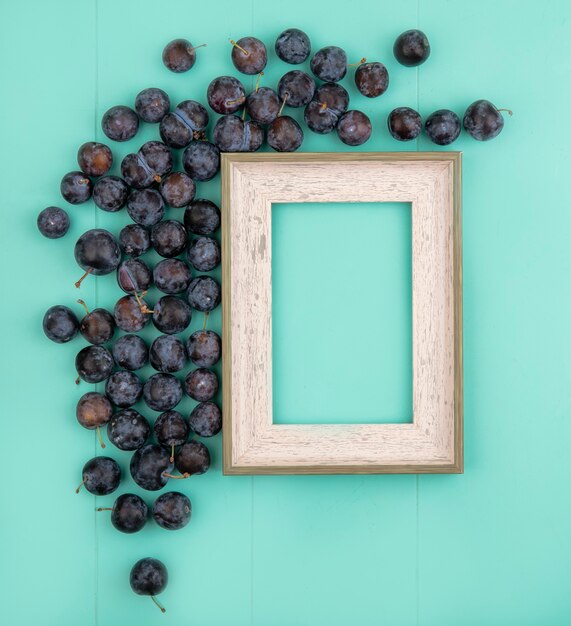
[431, 183]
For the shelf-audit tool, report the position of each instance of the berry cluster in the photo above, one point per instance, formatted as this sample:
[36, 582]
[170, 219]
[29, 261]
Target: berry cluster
[147, 185]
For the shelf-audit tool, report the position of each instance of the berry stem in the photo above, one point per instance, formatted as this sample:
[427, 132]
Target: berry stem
[258, 80]
[205, 320]
[323, 106]
[244, 114]
[80, 486]
[167, 475]
[239, 47]
[87, 272]
[80, 301]
[236, 100]
[283, 104]
[157, 178]
[508, 111]
[363, 60]
[104, 508]
[172, 453]
[99, 437]
[77, 380]
[202, 45]
[162, 608]
[84, 181]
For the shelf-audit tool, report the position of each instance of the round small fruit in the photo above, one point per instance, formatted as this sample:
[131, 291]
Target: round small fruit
[134, 240]
[249, 55]
[329, 64]
[179, 55]
[97, 252]
[110, 193]
[60, 324]
[129, 315]
[296, 88]
[483, 121]
[130, 352]
[152, 105]
[171, 429]
[202, 217]
[442, 127]
[149, 577]
[146, 207]
[123, 388]
[172, 510]
[201, 160]
[203, 254]
[404, 124]
[53, 222]
[101, 476]
[226, 95]
[169, 238]
[206, 419]
[76, 188]
[133, 275]
[167, 354]
[411, 48]
[185, 123]
[94, 364]
[354, 128]
[162, 392]
[128, 430]
[201, 384]
[171, 276]
[93, 410]
[149, 465]
[120, 123]
[293, 46]
[171, 315]
[129, 513]
[263, 105]
[178, 188]
[285, 134]
[94, 159]
[192, 458]
[372, 79]
[233, 134]
[204, 294]
[153, 161]
[97, 326]
[204, 348]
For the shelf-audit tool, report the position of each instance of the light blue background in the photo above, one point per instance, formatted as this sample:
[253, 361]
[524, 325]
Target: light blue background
[490, 547]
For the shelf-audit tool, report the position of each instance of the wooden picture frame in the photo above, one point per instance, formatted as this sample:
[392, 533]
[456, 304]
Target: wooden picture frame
[433, 442]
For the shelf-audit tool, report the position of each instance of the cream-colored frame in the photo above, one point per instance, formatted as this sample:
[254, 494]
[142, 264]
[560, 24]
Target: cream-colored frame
[433, 442]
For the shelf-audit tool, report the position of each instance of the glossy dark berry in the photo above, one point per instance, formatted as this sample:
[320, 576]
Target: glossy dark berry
[120, 123]
[184, 124]
[249, 55]
[204, 254]
[148, 165]
[94, 364]
[354, 128]
[128, 315]
[201, 384]
[162, 392]
[204, 293]
[97, 326]
[329, 64]
[206, 419]
[296, 88]
[130, 352]
[483, 121]
[123, 388]
[152, 105]
[201, 160]
[263, 105]
[98, 252]
[172, 276]
[94, 159]
[148, 465]
[110, 193]
[101, 476]
[60, 324]
[149, 577]
[93, 410]
[134, 275]
[285, 134]
[76, 188]
[319, 118]
[232, 134]
[442, 127]
[293, 46]
[169, 238]
[171, 429]
[53, 222]
[411, 48]
[372, 79]
[178, 188]
[204, 348]
[134, 240]
[171, 315]
[128, 430]
[167, 354]
[404, 124]
[225, 95]
[172, 510]
[202, 217]
[179, 55]
[192, 458]
[146, 206]
[129, 513]
[334, 96]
